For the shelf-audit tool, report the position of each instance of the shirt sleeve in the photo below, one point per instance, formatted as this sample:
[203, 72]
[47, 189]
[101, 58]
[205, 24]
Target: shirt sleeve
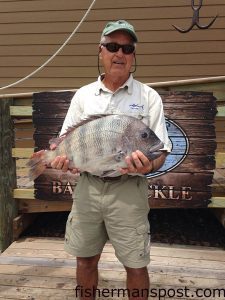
[73, 115]
[157, 120]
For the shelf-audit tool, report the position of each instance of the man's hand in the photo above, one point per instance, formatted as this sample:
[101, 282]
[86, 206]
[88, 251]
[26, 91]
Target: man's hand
[137, 163]
[62, 163]
[59, 163]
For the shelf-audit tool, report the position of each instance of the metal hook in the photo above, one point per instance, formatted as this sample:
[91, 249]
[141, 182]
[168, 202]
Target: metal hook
[195, 18]
[193, 5]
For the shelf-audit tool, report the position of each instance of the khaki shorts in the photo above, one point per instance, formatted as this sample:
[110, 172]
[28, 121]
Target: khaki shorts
[114, 210]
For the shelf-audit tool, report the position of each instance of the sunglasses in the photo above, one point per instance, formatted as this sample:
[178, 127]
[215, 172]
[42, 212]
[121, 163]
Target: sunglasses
[114, 47]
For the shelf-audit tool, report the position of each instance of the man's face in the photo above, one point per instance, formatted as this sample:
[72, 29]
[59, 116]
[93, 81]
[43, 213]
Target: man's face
[117, 63]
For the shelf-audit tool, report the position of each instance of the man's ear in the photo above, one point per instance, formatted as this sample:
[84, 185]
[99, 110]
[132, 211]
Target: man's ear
[100, 51]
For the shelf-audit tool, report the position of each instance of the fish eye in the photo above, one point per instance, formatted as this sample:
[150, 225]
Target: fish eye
[144, 135]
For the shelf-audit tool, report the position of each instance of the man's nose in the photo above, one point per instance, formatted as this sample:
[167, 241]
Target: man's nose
[119, 52]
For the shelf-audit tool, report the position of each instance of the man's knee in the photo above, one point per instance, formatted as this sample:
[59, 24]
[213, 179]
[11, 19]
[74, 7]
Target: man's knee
[136, 271]
[88, 263]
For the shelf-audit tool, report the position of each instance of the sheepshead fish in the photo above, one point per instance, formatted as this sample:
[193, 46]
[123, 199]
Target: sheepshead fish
[99, 145]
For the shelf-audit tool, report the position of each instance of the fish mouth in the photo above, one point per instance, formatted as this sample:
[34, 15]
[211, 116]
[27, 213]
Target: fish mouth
[154, 151]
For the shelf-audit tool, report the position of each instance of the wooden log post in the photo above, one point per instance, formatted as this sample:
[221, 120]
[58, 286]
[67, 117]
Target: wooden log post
[8, 207]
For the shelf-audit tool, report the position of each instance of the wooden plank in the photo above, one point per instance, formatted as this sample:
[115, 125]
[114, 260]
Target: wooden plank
[182, 9]
[162, 250]
[67, 283]
[101, 5]
[219, 181]
[74, 49]
[104, 291]
[24, 183]
[221, 147]
[218, 190]
[217, 202]
[57, 241]
[35, 293]
[23, 193]
[21, 111]
[36, 281]
[22, 172]
[21, 163]
[221, 111]
[22, 152]
[23, 122]
[38, 84]
[58, 33]
[33, 206]
[22, 100]
[37, 21]
[217, 88]
[83, 72]
[66, 267]
[22, 222]
[220, 137]
[8, 207]
[23, 132]
[29, 142]
[220, 124]
[90, 60]
[110, 257]
[220, 159]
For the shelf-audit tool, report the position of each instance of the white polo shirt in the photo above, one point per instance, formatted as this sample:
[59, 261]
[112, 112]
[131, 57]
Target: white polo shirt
[133, 98]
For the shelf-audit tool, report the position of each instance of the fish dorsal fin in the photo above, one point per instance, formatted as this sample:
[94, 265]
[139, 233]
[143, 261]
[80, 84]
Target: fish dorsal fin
[85, 121]
[56, 141]
[89, 119]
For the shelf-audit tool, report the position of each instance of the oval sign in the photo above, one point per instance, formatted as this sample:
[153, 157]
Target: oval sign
[180, 148]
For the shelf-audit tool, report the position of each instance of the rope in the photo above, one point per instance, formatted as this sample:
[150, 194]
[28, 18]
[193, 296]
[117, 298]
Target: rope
[55, 54]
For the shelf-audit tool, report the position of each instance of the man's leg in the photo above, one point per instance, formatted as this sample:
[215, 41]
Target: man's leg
[137, 283]
[87, 277]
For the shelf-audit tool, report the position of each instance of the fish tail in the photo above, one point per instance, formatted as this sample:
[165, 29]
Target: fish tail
[38, 164]
[36, 170]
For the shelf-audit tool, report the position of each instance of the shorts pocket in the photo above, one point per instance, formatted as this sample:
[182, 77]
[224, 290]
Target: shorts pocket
[143, 239]
[68, 228]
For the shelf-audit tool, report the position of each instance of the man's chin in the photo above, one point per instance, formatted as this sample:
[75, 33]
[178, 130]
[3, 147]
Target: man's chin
[119, 72]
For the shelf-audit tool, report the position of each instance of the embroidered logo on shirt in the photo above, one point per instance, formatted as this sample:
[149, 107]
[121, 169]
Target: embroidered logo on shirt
[136, 106]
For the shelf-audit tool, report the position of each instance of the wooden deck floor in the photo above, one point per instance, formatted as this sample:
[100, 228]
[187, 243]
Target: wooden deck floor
[39, 269]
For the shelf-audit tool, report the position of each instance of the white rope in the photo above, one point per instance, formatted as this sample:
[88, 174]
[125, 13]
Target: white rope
[56, 53]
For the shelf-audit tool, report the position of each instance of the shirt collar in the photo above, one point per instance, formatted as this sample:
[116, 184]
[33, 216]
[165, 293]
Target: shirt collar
[101, 87]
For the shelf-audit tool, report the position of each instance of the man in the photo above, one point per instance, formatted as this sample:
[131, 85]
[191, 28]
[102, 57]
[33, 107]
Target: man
[114, 208]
